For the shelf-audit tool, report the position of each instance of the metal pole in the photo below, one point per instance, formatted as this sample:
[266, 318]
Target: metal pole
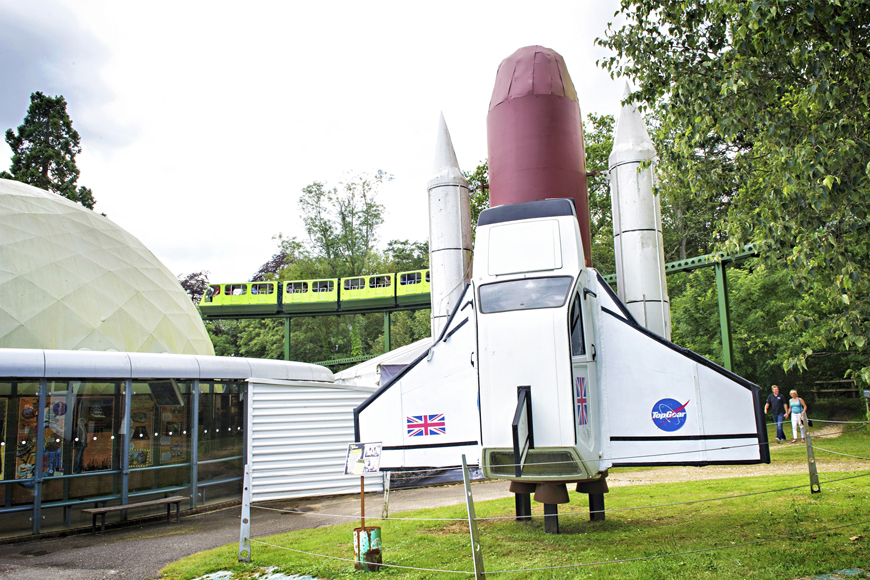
[724, 316]
[362, 503]
[476, 552]
[387, 347]
[194, 443]
[125, 445]
[815, 487]
[39, 457]
[287, 338]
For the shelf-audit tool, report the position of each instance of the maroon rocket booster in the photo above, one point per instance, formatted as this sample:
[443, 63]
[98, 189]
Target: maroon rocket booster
[535, 135]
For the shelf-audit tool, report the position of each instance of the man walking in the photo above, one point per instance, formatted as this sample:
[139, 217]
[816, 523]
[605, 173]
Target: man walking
[776, 403]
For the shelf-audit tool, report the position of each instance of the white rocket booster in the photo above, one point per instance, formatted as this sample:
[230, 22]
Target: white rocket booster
[637, 224]
[449, 231]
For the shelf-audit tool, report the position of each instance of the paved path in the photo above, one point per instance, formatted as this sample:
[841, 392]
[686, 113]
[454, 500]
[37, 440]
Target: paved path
[140, 552]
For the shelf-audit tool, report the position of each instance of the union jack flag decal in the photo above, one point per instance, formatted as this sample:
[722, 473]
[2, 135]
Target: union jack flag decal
[582, 402]
[423, 425]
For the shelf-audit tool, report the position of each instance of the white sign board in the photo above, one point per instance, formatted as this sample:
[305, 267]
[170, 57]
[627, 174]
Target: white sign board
[363, 459]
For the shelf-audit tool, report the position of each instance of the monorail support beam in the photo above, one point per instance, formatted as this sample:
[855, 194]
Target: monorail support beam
[287, 338]
[724, 316]
[387, 347]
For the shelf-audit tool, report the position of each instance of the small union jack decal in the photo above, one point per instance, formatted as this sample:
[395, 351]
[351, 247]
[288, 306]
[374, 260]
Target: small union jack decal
[582, 403]
[423, 425]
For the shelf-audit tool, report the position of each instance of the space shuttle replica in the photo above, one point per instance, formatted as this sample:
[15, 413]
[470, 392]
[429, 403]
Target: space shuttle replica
[537, 370]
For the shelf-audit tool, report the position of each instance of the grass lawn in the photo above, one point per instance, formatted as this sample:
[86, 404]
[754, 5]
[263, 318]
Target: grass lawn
[729, 526]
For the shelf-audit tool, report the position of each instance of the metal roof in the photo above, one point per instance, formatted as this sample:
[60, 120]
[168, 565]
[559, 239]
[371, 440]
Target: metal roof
[49, 364]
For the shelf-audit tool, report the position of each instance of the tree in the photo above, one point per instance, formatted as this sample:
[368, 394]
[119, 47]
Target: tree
[478, 192]
[44, 150]
[767, 102]
[195, 284]
[342, 222]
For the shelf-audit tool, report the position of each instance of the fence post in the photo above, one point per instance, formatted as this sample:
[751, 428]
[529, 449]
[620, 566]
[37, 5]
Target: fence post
[385, 510]
[476, 552]
[811, 458]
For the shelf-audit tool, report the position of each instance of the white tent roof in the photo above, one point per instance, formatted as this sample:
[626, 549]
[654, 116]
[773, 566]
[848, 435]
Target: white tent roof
[72, 279]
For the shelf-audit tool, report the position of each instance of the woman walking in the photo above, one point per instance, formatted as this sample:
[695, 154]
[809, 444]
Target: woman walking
[797, 408]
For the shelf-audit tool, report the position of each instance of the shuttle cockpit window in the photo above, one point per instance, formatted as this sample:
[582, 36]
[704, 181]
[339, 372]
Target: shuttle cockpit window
[525, 294]
[578, 344]
[211, 293]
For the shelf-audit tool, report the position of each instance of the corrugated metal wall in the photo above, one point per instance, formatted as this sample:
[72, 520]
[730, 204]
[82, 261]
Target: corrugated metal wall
[298, 435]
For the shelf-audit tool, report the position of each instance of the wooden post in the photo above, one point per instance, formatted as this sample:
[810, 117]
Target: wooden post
[362, 502]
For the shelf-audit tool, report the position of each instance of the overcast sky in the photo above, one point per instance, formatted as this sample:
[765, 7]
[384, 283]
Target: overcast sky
[201, 121]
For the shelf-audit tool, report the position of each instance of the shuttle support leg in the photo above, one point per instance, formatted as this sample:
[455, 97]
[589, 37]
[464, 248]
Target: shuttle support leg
[523, 499]
[551, 518]
[596, 507]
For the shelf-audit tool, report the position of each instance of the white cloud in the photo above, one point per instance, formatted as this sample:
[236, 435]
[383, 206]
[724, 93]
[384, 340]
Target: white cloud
[231, 109]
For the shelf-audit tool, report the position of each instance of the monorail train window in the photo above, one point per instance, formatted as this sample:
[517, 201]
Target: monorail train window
[297, 287]
[212, 292]
[578, 344]
[235, 289]
[379, 282]
[355, 284]
[262, 288]
[427, 275]
[323, 286]
[525, 294]
[414, 278]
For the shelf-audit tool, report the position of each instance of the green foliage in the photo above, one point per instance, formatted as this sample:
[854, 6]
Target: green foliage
[342, 222]
[767, 103]
[478, 192]
[598, 136]
[44, 150]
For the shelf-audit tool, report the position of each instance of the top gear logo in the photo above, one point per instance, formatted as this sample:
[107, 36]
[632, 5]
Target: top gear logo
[669, 414]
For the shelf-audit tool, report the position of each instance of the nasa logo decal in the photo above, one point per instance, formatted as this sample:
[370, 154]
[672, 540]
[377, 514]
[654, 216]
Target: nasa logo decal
[669, 414]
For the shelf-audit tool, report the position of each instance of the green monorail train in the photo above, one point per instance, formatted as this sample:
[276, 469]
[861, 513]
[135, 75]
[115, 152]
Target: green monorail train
[300, 296]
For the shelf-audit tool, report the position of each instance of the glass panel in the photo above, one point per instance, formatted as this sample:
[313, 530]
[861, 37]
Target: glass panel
[410, 279]
[235, 289]
[578, 345]
[379, 282]
[159, 429]
[324, 286]
[211, 293]
[297, 287]
[354, 284]
[524, 294]
[262, 288]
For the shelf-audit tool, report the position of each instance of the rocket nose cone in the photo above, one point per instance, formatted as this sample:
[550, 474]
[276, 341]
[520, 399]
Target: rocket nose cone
[446, 167]
[631, 141]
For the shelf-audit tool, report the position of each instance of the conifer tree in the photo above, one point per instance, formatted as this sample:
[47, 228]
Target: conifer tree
[44, 150]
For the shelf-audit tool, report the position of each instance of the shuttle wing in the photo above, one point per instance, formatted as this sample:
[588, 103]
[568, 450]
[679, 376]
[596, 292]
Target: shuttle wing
[428, 415]
[666, 405]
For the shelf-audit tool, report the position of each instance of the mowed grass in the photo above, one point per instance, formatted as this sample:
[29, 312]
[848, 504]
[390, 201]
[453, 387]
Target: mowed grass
[728, 536]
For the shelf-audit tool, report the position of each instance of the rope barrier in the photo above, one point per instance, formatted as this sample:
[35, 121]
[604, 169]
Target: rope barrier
[843, 454]
[843, 484]
[702, 550]
[584, 564]
[727, 497]
[349, 560]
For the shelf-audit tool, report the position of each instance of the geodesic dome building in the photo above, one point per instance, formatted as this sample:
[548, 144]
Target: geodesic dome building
[71, 279]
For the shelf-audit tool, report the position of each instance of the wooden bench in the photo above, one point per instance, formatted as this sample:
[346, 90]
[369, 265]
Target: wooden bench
[168, 501]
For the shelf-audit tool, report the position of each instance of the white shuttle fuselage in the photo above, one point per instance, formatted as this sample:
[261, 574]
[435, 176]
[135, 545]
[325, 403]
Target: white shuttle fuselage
[604, 391]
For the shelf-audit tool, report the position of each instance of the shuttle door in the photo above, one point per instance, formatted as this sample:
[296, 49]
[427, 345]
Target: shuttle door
[584, 375]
